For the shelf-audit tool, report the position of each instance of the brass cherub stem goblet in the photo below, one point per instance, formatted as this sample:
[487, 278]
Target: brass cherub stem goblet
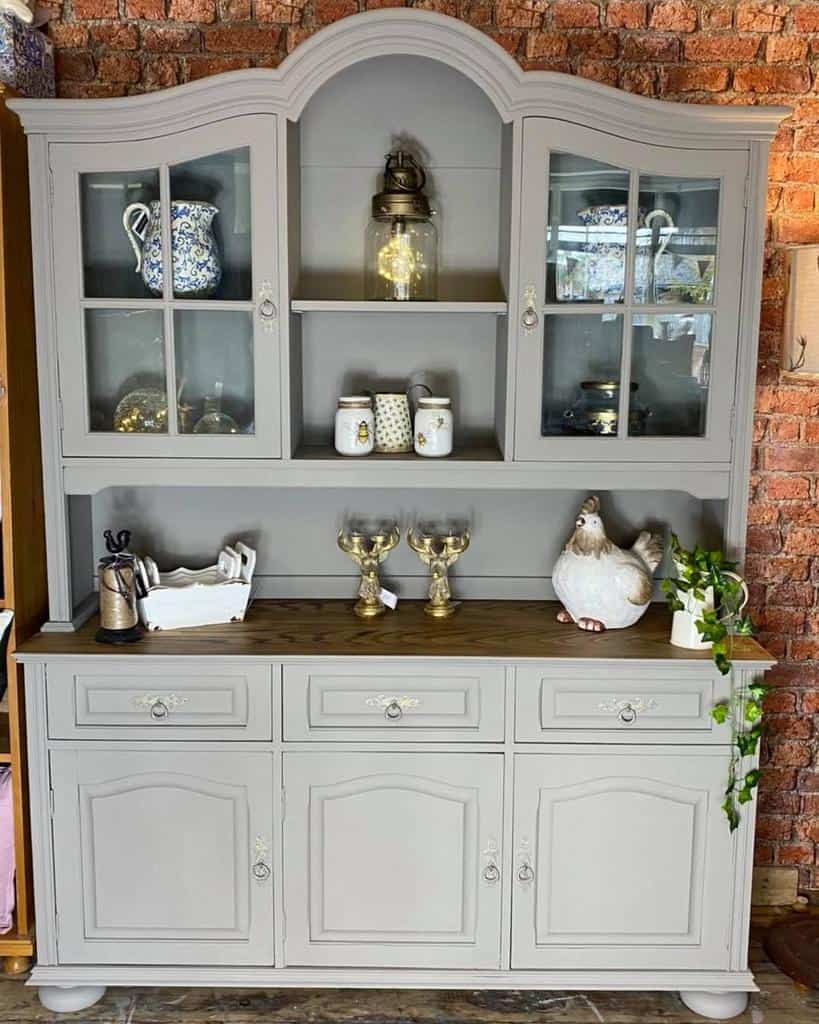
[439, 553]
[368, 551]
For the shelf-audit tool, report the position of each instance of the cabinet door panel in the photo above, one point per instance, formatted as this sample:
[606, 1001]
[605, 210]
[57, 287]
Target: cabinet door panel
[169, 348]
[157, 852]
[384, 859]
[623, 860]
[630, 297]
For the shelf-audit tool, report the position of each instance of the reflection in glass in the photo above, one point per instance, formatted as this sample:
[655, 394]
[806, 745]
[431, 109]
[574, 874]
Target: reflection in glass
[125, 362]
[676, 245]
[110, 268]
[214, 371]
[211, 196]
[587, 231]
[577, 351]
[670, 359]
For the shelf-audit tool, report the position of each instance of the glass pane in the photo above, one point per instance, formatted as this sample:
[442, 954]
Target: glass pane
[670, 366]
[210, 215]
[110, 263]
[214, 371]
[587, 231]
[581, 374]
[676, 251]
[125, 361]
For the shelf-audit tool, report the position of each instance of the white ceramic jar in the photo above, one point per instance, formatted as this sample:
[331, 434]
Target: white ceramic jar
[433, 428]
[355, 425]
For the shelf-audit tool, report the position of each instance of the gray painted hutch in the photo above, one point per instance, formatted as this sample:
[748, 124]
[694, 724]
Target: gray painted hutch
[256, 835]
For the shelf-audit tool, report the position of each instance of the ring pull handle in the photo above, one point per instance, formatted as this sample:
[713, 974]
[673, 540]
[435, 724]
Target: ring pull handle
[529, 319]
[491, 873]
[526, 873]
[393, 711]
[260, 869]
[159, 710]
[628, 714]
[267, 307]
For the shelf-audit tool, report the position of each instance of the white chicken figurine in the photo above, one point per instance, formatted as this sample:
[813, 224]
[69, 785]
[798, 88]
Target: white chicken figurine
[599, 585]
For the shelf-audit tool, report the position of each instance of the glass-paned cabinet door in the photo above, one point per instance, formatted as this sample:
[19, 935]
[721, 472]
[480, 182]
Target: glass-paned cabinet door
[166, 277]
[630, 288]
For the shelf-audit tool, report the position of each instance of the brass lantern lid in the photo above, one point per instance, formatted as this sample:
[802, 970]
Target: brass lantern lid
[402, 194]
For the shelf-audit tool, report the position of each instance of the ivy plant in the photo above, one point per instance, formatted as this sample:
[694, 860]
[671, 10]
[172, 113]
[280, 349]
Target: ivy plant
[742, 712]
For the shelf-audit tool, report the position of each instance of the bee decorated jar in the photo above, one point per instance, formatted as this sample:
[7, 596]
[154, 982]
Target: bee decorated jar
[433, 427]
[355, 425]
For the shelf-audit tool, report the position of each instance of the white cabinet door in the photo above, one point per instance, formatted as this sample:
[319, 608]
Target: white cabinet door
[163, 857]
[630, 271]
[622, 860]
[169, 348]
[391, 860]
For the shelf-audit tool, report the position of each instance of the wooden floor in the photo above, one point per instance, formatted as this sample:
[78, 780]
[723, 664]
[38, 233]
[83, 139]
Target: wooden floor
[778, 1002]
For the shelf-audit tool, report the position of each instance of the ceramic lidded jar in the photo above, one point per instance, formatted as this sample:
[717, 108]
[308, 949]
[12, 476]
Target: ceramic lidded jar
[355, 425]
[433, 427]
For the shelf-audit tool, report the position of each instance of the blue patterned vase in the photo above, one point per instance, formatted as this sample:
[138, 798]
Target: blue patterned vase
[197, 269]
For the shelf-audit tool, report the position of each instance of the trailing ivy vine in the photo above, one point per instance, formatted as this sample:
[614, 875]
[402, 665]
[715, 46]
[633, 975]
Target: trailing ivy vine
[742, 712]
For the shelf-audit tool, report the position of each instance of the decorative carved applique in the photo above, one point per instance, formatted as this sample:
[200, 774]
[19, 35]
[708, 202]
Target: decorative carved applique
[382, 701]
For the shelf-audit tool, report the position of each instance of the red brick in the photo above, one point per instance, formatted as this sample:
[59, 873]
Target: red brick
[770, 826]
[289, 13]
[327, 11]
[806, 18]
[808, 829]
[203, 11]
[779, 803]
[787, 621]
[777, 779]
[763, 852]
[74, 67]
[115, 37]
[509, 39]
[779, 568]
[793, 594]
[794, 853]
[799, 230]
[719, 16]
[477, 13]
[780, 701]
[119, 67]
[169, 38]
[235, 10]
[772, 199]
[86, 10]
[802, 541]
[67, 36]
[799, 199]
[674, 17]
[785, 48]
[791, 753]
[808, 782]
[597, 45]
[718, 49]
[520, 13]
[598, 71]
[805, 648]
[649, 49]
[810, 805]
[161, 73]
[800, 460]
[801, 513]
[793, 727]
[810, 703]
[202, 67]
[767, 79]
[89, 90]
[763, 540]
[639, 80]
[799, 401]
[247, 38]
[625, 14]
[784, 428]
[546, 44]
[812, 431]
[761, 17]
[575, 14]
[147, 10]
[760, 514]
[695, 80]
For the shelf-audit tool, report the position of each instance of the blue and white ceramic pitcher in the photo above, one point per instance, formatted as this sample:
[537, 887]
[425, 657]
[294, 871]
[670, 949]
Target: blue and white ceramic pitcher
[197, 269]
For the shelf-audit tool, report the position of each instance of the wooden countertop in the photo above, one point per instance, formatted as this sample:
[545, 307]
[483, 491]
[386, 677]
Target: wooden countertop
[509, 630]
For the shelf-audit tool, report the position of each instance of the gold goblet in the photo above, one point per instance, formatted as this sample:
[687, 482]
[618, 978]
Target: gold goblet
[368, 551]
[439, 552]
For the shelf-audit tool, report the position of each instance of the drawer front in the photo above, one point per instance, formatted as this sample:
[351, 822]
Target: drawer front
[618, 701]
[179, 700]
[374, 702]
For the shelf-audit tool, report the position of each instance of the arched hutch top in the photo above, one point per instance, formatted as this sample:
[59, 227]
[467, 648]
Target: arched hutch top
[537, 295]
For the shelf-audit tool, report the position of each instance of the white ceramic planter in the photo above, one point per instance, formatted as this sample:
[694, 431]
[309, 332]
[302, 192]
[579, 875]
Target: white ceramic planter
[684, 632]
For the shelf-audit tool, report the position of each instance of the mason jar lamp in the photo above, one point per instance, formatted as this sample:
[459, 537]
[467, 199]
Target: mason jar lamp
[401, 240]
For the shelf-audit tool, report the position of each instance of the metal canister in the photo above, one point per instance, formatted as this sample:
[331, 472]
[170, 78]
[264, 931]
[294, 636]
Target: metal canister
[119, 589]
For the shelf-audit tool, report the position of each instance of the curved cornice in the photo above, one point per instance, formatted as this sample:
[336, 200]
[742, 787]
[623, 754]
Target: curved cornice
[287, 89]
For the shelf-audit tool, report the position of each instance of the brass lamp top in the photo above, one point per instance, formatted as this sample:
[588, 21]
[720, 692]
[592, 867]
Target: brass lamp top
[402, 194]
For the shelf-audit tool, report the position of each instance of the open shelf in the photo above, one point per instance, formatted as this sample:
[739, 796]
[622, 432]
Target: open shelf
[484, 453]
[363, 306]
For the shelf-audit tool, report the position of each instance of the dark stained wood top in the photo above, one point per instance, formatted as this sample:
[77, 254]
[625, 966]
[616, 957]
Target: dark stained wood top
[510, 630]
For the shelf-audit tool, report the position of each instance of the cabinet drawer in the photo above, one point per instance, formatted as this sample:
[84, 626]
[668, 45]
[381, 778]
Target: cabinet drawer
[179, 700]
[372, 702]
[618, 701]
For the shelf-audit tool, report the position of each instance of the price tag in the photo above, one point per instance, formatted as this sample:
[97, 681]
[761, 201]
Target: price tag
[388, 598]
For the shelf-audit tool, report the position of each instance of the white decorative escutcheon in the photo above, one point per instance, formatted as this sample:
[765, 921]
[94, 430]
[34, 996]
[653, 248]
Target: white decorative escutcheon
[261, 857]
[491, 855]
[159, 705]
[627, 710]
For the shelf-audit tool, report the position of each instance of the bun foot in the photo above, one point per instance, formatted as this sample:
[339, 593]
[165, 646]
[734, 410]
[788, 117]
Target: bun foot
[563, 616]
[69, 998]
[716, 1005]
[591, 625]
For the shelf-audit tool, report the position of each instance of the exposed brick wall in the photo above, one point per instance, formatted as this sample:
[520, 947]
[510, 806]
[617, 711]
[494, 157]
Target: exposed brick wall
[692, 51]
